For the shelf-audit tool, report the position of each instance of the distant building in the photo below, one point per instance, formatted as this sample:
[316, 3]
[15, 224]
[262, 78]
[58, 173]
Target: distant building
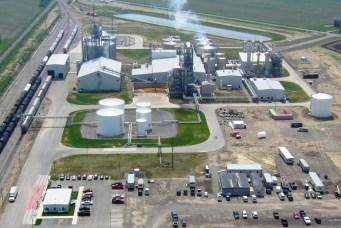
[234, 184]
[99, 75]
[267, 89]
[57, 200]
[337, 23]
[245, 168]
[58, 66]
[229, 79]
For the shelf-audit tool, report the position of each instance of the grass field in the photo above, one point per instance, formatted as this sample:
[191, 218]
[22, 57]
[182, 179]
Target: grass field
[310, 14]
[138, 55]
[188, 134]
[231, 53]
[115, 165]
[295, 92]
[93, 98]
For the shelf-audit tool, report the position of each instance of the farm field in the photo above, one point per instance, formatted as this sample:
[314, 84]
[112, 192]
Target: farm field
[309, 14]
[16, 15]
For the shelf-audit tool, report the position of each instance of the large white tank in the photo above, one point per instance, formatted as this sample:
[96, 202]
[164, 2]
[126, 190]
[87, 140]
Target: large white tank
[145, 114]
[141, 127]
[143, 105]
[321, 105]
[221, 63]
[112, 103]
[110, 122]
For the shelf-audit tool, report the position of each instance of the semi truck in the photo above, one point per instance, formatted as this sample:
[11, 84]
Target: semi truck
[131, 181]
[191, 184]
[13, 192]
[286, 155]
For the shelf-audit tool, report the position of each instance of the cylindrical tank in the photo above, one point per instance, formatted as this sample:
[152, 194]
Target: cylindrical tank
[209, 64]
[111, 103]
[221, 63]
[145, 114]
[143, 105]
[109, 122]
[141, 127]
[321, 105]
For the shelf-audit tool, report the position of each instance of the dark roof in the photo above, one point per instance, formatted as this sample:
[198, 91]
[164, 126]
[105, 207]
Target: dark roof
[233, 180]
[256, 181]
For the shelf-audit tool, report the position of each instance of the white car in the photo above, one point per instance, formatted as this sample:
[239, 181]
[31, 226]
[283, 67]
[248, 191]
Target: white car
[74, 177]
[319, 196]
[307, 220]
[254, 198]
[90, 177]
[87, 202]
[146, 191]
[206, 194]
[245, 199]
[219, 197]
[255, 214]
[244, 215]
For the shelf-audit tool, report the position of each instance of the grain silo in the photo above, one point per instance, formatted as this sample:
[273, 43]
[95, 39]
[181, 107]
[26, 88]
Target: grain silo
[110, 122]
[143, 105]
[141, 127]
[145, 114]
[321, 105]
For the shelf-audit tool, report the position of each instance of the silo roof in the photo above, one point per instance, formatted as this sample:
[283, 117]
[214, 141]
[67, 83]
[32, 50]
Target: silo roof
[322, 96]
[109, 112]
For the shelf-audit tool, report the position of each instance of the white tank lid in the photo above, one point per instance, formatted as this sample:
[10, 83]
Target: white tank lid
[322, 96]
[109, 112]
[111, 101]
[141, 120]
[143, 110]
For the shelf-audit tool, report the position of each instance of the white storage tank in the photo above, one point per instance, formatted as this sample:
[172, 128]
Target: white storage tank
[321, 105]
[141, 127]
[221, 63]
[145, 114]
[111, 103]
[143, 105]
[110, 122]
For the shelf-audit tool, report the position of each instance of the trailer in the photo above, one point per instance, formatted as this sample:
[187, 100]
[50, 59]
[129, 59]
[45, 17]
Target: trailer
[140, 183]
[304, 165]
[286, 155]
[316, 182]
[268, 180]
[131, 181]
[191, 181]
[12, 195]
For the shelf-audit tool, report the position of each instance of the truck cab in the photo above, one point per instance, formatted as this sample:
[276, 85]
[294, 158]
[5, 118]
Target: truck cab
[13, 194]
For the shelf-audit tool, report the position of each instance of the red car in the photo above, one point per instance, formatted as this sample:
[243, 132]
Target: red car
[118, 200]
[296, 215]
[87, 190]
[117, 186]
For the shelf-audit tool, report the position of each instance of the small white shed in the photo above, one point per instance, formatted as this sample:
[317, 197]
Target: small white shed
[58, 66]
[57, 200]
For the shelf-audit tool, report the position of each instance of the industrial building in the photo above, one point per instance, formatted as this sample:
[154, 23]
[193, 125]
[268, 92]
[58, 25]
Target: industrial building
[229, 79]
[234, 184]
[267, 89]
[99, 43]
[258, 59]
[316, 182]
[245, 168]
[58, 66]
[257, 185]
[99, 75]
[57, 200]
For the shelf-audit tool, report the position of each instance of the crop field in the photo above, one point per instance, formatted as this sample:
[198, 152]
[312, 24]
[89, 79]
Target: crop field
[15, 15]
[309, 14]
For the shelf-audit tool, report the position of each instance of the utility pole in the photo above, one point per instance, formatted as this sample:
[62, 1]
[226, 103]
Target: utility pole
[172, 155]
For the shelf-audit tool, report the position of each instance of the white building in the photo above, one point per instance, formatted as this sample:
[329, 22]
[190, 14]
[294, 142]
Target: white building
[267, 89]
[57, 200]
[99, 75]
[229, 79]
[58, 66]
[199, 72]
[245, 168]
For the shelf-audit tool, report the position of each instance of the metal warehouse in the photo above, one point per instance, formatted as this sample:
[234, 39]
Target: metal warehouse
[257, 185]
[229, 79]
[57, 200]
[245, 168]
[267, 89]
[234, 184]
[100, 75]
[58, 66]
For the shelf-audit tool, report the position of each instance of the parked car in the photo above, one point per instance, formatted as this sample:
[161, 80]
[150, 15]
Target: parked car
[101, 177]
[61, 177]
[318, 196]
[244, 215]
[236, 214]
[296, 215]
[275, 214]
[88, 194]
[228, 198]
[84, 208]
[185, 192]
[67, 177]
[219, 197]
[205, 194]
[106, 177]
[174, 215]
[313, 195]
[306, 195]
[83, 213]
[90, 177]
[245, 199]
[87, 190]
[87, 202]
[73, 177]
[117, 185]
[79, 177]
[184, 223]
[318, 220]
[178, 192]
[255, 214]
[254, 198]
[95, 177]
[117, 200]
[307, 220]
[284, 222]
[199, 192]
[146, 191]
[84, 177]
[302, 213]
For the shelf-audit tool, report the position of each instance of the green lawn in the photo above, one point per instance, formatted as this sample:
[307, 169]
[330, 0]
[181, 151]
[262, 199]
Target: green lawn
[231, 53]
[310, 14]
[74, 195]
[188, 134]
[295, 92]
[136, 55]
[94, 98]
[115, 165]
